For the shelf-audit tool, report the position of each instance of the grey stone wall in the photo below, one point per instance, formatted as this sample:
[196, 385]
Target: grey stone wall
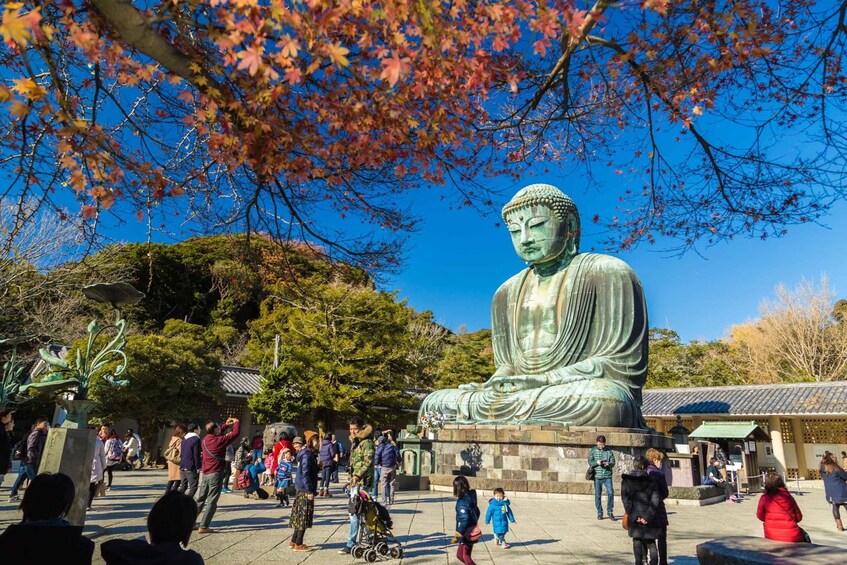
[535, 458]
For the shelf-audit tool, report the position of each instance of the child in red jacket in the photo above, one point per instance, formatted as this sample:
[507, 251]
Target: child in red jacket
[780, 513]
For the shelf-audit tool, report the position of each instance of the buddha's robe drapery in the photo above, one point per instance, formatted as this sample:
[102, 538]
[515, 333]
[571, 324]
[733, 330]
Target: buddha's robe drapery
[595, 367]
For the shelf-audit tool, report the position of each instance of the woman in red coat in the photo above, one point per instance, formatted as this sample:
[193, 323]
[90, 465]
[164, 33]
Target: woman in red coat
[779, 511]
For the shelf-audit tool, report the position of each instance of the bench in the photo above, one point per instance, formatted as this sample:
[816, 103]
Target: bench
[746, 550]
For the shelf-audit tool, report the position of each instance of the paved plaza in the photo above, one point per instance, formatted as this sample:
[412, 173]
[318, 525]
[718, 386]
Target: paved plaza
[547, 531]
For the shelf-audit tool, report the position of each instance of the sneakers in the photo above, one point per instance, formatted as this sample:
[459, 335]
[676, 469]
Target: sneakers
[505, 545]
[496, 541]
[599, 516]
[226, 490]
[612, 517]
[291, 545]
[14, 498]
[205, 531]
[344, 551]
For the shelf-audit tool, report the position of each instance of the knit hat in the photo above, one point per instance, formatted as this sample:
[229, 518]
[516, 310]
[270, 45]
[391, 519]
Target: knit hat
[309, 434]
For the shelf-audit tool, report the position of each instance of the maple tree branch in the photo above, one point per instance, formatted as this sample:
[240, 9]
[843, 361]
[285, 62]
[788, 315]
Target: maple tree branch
[135, 29]
[702, 141]
[563, 63]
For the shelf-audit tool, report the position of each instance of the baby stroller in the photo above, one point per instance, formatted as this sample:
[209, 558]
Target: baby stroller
[374, 539]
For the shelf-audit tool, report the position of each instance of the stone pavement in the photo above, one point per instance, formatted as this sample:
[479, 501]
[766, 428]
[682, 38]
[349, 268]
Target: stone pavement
[547, 531]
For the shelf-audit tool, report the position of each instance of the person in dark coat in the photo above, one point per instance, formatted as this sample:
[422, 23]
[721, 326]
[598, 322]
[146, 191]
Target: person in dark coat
[328, 464]
[31, 458]
[835, 486]
[640, 496]
[657, 475]
[44, 536]
[467, 520]
[190, 461]
[306, 484]
[7, 424]
[169, 526]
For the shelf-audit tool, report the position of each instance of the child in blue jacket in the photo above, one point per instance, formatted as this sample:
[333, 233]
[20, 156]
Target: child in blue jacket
[500, 513]
[283, 477]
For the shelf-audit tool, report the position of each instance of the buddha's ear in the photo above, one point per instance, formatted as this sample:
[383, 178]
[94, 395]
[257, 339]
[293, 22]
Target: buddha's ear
[573, 235]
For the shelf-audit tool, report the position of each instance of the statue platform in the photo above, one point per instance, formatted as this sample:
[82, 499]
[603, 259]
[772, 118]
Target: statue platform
[535, 459]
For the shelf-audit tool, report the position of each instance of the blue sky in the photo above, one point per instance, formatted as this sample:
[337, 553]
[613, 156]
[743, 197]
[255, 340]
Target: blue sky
[458, 259]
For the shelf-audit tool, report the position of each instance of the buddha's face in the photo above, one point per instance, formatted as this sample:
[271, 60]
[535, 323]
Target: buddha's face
[537, 234]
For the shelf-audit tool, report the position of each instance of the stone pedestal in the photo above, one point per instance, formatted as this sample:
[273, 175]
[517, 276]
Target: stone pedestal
[537, 459]
[71, 451]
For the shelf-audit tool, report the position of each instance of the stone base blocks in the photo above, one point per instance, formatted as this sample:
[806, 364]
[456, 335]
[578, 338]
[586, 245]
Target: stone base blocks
[548, 460]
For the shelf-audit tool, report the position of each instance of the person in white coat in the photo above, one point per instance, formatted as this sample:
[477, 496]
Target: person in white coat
[98, 466]
[132, 449]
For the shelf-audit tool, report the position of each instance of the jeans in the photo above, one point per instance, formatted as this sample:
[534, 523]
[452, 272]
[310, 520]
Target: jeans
[27, 471]
[335, 472]
[352, 538]
[610, 495]
[208, 495]
[188, 482]
[388, 483]
[227, 474]
[326, 476]
[638, 546]
[375, 490]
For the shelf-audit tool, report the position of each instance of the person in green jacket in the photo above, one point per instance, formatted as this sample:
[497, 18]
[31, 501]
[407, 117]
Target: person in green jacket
[602, 460]
[361, 468]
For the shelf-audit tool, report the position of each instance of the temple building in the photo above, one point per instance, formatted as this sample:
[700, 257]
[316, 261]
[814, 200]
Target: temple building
[803, 419]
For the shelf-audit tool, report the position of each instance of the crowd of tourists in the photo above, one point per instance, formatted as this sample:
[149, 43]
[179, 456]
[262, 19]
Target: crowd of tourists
[297, 470]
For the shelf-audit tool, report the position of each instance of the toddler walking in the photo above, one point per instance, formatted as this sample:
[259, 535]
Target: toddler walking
[500, 512]
[283, 477]
[270, 467]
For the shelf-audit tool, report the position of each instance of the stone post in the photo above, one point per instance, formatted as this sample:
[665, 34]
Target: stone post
[71, 451]
[802, 465]
[776, 443]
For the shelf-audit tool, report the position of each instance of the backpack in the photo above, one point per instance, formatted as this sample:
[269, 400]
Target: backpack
[116, 451]
[245, 480]
[19, 451]
[172, 454]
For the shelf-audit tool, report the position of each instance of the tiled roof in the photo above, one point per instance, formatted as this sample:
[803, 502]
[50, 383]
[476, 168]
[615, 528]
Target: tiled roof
[239, 380]
[750, 400]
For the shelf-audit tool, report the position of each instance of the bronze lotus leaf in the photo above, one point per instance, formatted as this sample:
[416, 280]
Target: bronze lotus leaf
[116, 294]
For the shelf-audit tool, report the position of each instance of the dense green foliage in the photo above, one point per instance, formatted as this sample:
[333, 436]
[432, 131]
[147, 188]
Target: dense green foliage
[173, 376]
[346, 350]
[674, 364]
[467, 358]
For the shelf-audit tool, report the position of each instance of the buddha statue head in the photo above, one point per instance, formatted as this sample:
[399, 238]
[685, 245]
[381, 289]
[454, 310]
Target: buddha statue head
[544, 224]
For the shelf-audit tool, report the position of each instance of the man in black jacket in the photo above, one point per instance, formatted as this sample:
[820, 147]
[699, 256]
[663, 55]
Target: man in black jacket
[32, 458]
[7, 424]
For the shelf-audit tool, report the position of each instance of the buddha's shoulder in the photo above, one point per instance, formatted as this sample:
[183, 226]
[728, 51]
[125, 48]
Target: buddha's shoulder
[599, 263]
[513, 282]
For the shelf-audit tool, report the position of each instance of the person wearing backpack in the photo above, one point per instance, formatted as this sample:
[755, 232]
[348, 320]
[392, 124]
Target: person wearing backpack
[467, 520]
[174, 458]
[190, 461]
[250, 481]
[114, 453]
